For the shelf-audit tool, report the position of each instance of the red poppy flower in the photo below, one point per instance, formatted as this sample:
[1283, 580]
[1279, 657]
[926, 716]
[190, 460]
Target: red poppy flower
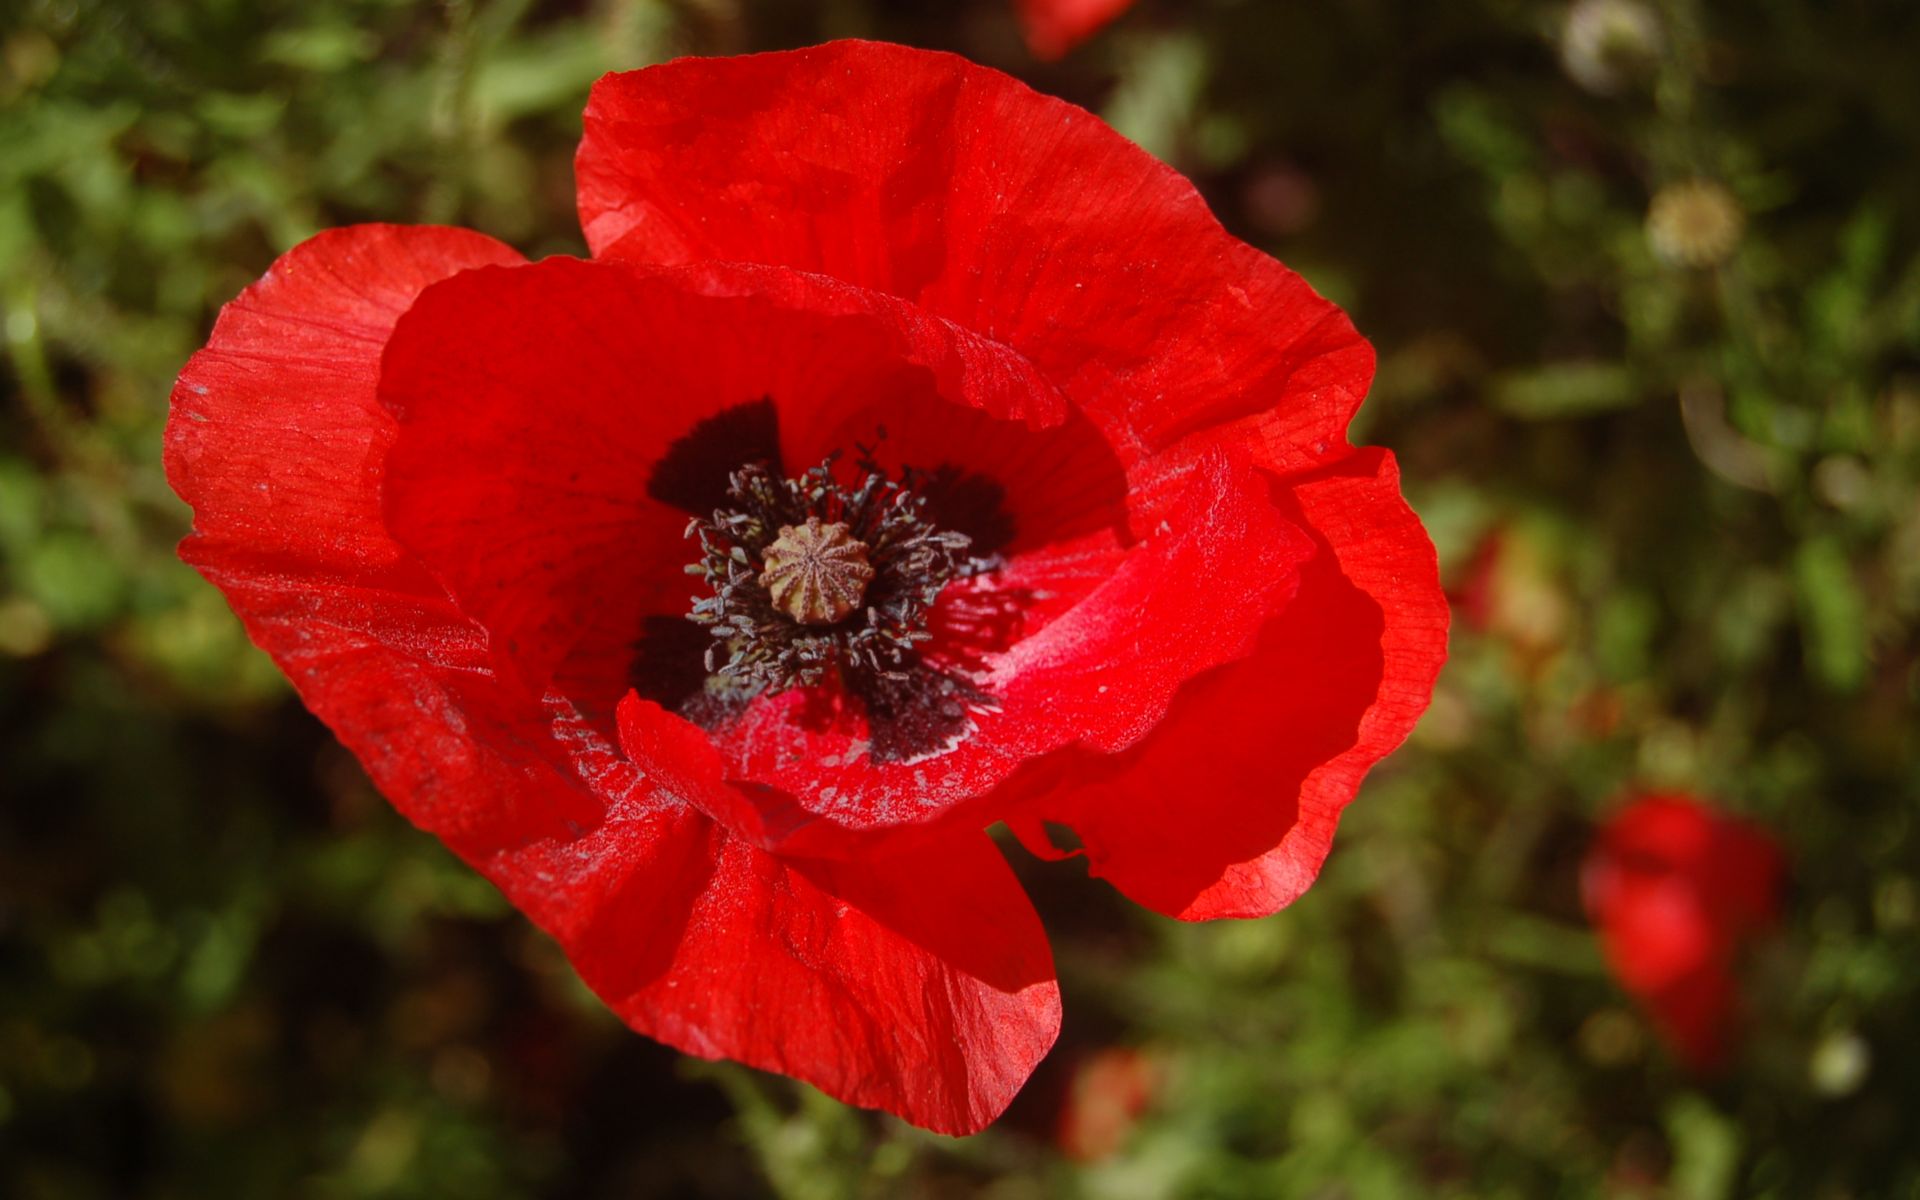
[1053, 27]
[1011, 486]
[1676, 888]
[1105, 1099]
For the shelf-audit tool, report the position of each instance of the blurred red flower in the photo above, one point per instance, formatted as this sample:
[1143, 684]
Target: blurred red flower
[1018, 491]
[1676, 889]
[1054, 27]
[1105, 1099]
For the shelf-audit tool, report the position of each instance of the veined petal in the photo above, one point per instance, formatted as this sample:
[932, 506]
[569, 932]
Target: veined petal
[277, 440]
[1228, 809]
[1015, 215]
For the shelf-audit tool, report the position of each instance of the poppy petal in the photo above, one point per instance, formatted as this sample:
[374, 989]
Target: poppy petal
[1229, 808]
[276, 439]
[956, 187]
[274, 425]
[920, 983]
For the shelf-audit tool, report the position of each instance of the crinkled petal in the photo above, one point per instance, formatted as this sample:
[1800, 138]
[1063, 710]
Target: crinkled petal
[277, 441]
[1228, 809]
[1015, 215]
[920, 982]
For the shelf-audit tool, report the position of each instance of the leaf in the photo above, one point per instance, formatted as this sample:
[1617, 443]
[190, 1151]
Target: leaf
[1832, 614]
[1706, 1150]
[1562, 390]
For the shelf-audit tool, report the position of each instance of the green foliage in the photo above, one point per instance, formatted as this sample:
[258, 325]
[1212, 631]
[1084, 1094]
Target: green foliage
[1679, 468]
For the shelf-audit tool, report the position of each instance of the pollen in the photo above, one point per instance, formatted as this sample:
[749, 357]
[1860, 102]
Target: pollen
[816, 573]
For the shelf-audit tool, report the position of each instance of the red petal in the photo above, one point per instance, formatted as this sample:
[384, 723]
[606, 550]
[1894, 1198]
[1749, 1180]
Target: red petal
[1697, 1014]
[920, 983]
[1052, 485]
[274, 425]
[1655, 927]
[1747, 883]
[1733, 867]
[1053, 27]
[1015, 215]
[1229, 808]
[276, 439]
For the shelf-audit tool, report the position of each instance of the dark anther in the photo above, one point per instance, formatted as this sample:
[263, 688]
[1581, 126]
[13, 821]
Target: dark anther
[811, 576]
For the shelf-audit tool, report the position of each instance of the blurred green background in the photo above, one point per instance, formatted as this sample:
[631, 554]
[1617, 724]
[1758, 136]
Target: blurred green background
[1647, 303]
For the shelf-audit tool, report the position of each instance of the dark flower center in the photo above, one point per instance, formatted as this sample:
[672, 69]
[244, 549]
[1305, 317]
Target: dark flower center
[810, 576]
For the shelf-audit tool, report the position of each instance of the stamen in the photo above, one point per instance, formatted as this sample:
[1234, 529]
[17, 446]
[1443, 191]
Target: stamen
[811, 576]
